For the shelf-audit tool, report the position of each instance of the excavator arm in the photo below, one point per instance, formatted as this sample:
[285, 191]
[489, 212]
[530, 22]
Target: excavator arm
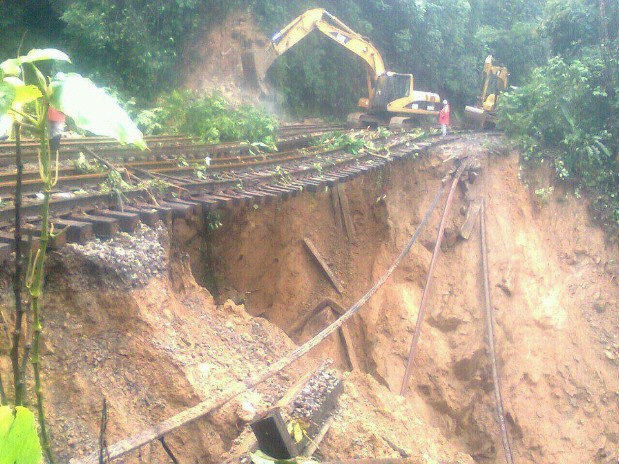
[495, 82]
[323, 21]
[257, 62]
[389, 94]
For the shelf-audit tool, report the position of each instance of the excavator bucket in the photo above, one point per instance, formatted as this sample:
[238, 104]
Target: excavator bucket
[250, 71]
[255, 63]
[475, 117]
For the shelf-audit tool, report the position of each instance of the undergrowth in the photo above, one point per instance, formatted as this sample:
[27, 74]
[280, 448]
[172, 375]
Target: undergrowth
[340, 141]
[210, 117]
[564, 116]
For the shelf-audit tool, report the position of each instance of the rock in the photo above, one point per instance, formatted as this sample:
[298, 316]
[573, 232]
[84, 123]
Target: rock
[599, 307]
[246, 412]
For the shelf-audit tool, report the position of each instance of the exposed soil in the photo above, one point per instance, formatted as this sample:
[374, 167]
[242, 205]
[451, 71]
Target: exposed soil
[555, 299]
[158, 343]
[213, 62]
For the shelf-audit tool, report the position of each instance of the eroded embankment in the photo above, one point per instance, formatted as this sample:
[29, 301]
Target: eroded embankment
[554, 293]
[129, 323]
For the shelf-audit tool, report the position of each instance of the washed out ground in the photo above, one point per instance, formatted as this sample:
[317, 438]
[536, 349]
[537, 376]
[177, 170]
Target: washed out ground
[133, 321]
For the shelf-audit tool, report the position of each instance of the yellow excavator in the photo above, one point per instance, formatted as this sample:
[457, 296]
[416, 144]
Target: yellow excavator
[495, 82]
[392, 99]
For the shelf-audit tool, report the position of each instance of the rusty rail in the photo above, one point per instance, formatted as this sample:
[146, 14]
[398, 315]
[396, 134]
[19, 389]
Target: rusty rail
[426, 290]
[490, 335]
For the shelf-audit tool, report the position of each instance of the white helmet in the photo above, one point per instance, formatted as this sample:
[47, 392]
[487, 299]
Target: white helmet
[444, 102]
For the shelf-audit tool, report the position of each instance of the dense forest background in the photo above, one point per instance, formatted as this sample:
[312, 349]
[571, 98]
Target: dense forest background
[137, 45]
[562, 54]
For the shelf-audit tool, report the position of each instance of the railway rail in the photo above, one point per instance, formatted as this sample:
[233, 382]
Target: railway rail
[158, 145]
[82, 210]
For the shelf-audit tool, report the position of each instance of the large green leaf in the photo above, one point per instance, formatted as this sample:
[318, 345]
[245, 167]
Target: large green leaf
[41, 54]
[7, 97]
[19, 442]
[23, 93]
[10, 67]
[92, 109]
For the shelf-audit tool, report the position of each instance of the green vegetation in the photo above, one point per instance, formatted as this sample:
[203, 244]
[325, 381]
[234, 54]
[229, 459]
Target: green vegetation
[211, 118]
[26, 95]
[341, 141]
[567, 111]
[19, 441]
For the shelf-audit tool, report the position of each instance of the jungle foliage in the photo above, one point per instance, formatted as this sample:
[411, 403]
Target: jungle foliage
[138, 46]
[567, 112]
[209, 117]
[442, 42]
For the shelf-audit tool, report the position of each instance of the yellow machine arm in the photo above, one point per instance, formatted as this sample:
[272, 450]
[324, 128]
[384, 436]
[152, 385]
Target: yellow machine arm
[389, 94]
[257, 62]
[320, 19]
[500, 73]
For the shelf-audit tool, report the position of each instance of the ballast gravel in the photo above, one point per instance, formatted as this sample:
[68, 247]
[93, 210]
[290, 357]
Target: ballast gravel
[133, 259]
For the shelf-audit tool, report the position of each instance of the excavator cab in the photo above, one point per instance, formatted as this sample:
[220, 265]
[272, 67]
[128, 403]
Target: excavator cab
[390, 87]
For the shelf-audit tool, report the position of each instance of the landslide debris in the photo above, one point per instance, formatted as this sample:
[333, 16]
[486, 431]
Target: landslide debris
[153, 350]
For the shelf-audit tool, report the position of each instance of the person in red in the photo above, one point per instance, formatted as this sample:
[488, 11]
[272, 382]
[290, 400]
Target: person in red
[55, 120]
[443, 117]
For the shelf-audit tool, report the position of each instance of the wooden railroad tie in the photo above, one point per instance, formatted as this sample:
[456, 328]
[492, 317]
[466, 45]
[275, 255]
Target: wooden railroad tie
[323, 265]
[102, 226]
[345, 211]
[472, 215]
[271, 430]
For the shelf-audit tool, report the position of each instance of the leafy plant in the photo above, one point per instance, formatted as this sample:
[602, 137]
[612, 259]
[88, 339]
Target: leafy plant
[199, 169]
[341, 141]
[283, 174]
[544, 194]
[19, 441]
[27, 97]
[82, 165]
[213, 220]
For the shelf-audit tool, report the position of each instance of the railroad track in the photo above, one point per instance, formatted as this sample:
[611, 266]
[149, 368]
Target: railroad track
[159, 146]
[79, 207]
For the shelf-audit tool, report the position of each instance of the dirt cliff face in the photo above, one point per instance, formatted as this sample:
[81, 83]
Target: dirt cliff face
[554, 291]
[127, 321]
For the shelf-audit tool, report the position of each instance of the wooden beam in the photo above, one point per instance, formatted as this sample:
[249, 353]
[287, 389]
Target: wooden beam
[323, 264]
[348, 222]
[471, 219]
[344, 334]
[337, 209]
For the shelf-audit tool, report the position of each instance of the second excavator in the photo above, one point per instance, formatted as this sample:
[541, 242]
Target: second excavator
[483, 114]
[392, 99]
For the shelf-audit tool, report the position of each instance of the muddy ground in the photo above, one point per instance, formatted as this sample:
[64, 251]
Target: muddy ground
[160, 335]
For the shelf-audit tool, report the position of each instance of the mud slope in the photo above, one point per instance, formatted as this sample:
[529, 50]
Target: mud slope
[126, 322]
[554, 288]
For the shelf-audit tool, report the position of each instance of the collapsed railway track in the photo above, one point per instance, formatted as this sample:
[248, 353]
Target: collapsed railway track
[234, 175]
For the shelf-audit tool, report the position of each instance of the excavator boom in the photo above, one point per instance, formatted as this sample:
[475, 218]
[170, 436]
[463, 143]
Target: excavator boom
[257, 62]
[389, 93]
